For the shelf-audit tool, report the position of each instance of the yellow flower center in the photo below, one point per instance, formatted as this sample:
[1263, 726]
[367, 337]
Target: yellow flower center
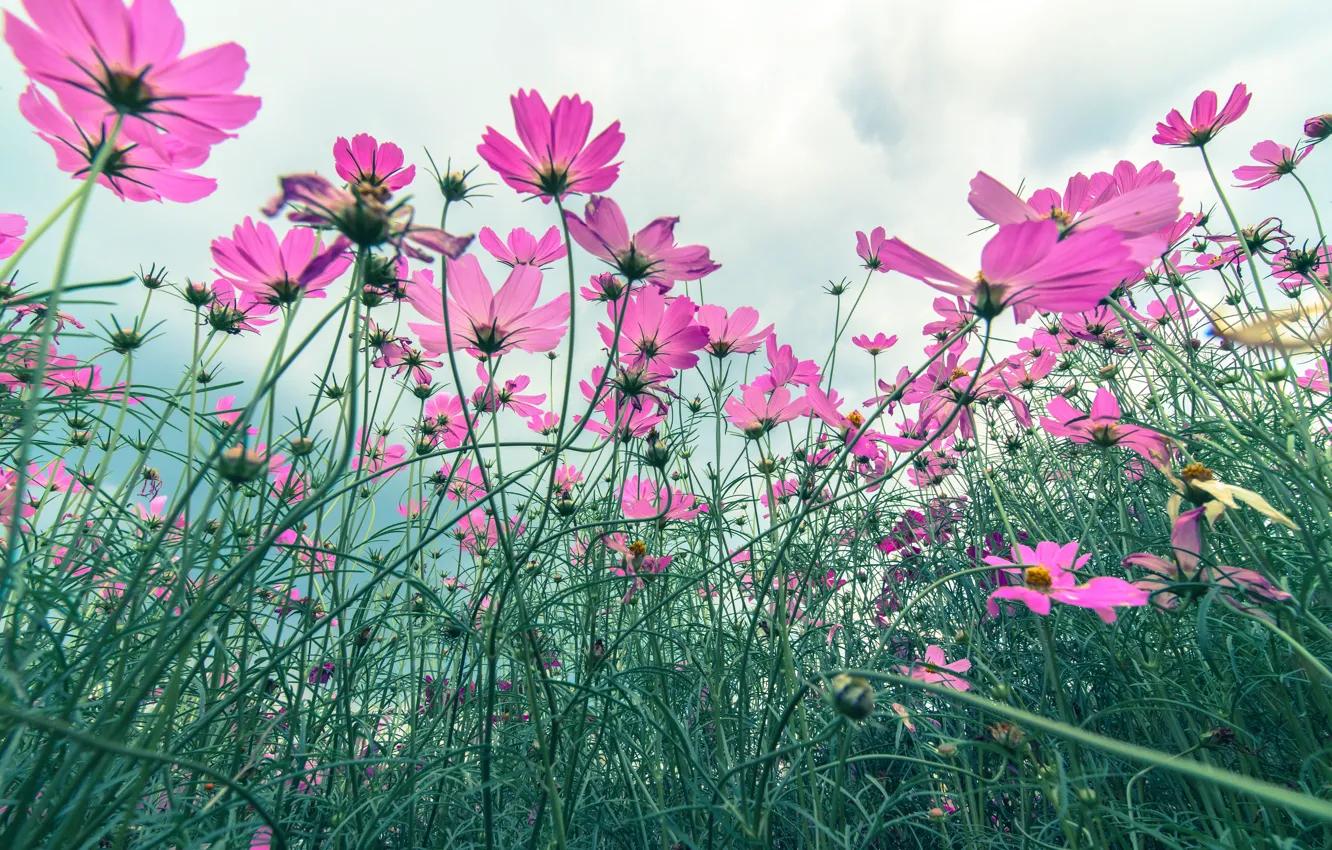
[638, 548]
[1196, 472]
[958, 373]
[1037, 578]
[855, 419]
[1064, 217]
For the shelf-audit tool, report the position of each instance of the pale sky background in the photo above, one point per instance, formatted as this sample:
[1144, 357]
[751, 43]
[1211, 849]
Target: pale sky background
[774, 130]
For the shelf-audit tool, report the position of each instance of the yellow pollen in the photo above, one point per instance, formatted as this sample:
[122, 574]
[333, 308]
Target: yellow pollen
[1196, 472]
[958, 373]
[855, 418]
[1037, 578]
[638, 548]
[1062, 216]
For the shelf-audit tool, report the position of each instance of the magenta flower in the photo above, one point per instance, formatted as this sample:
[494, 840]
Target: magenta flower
[1028, 266]
[1278, 161]
[374, 455]
[868, 247]
[876, 344]
[784, 368]
[1205, 122]
[102, 59]
[278, 274]
[154, 170]
[644, 499]
[1139, 209]
[492, 396]
[484, 321]
[936, 669]
[12, 228]
[1046, 574]
[1318, 127]
[1102, 427]
[443, 422]
[604, 287]
[658, 333]
[733, 334]
[650, 254]
[1174, 576]
[366, 220]
[756, 412]
[371, 166]
[558, 159]
[522, 248]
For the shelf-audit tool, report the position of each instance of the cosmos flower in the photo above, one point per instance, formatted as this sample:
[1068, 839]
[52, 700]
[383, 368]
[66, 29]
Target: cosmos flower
[733, 334]
[1046, 574]
[522, 248]
[1277, 161]
[937, 670]
[12, 228]
[556, 158]
[1101, 426]
[757, 412]
[657, 332]
[1204, 122]
[876, 344]
[276, 274]
[650, 254]
[371, 166]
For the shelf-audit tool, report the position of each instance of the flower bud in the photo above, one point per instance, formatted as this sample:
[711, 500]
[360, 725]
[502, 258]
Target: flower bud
[239, 465]
[1318, 127]
[767, 465]
[852, 696]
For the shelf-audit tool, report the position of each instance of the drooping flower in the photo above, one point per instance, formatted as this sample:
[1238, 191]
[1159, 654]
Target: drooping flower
[1046, 574]
[278, 274]
[1183, 574]
[876, 344]
[367, 220]
[937, 669]
[522, 248]
[650, 254]
[733, 334]
[556, 159]
[155, 170]
[482, 320]
[372, 167]
[102, 59]
[757, 412]
[1204, 122]
[12, 228]
[657, 332]
[1028, 266]
[1200, 486]
[1277, 161]
[1101, 426]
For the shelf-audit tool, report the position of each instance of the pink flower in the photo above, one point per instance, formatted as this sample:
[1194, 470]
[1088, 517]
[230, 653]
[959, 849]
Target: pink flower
[1102, 427]
[1278, 161]
[490, 397]
[375, 455]
[365, 219]
[1046, 574]
[523, 249]
[875, 345]
[1318, 127]
[1173, 576]
[935, 669]
[1139, 210]
[464, 480]
[650, 254]
[644, 499]
[784, 368]
[150, 171]
[102, 59]
[868, 247]
[12, 228]
[485, 321]
[544, 423]
[604, 287]
[557, 160]
[657, 333]
[443, 421]
[566, 477]
[275, 274]
[370, 166]
[756, 412]
[732, 334]
[262, 838]
[1204, 123]
[1029, 267]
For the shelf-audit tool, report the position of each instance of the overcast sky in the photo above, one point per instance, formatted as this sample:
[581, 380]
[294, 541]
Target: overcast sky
[773, 129]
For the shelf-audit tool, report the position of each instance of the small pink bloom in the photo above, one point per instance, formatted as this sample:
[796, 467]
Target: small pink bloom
[492, 396]
[443, 420]
[278, 274]
[657, 332]
[102, 59]
[757, 412]
[876, 344]
[486, 321]
[644, 499]
[785, 369]
[650, 254]
[522, 248]
[1102, 427]
[733, 334]
[371, 166]
[868, 247]
[1277, 161]
[12, 228]
[1046, 575]
[556, 158]
[936, 669]
[1205, 122]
